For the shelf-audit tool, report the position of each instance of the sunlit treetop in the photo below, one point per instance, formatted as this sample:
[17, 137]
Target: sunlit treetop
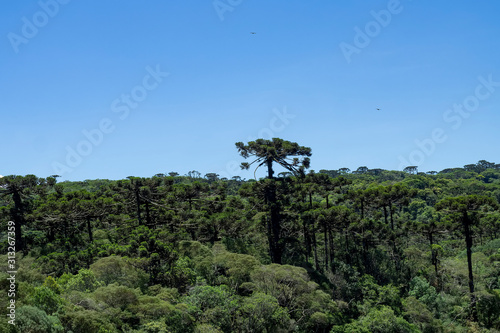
[285, 153]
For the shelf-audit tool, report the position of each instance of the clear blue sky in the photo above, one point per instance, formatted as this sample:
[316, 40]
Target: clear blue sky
[327, 65]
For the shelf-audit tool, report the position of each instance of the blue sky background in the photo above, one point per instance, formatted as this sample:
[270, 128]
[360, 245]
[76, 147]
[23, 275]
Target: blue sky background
[226, 84]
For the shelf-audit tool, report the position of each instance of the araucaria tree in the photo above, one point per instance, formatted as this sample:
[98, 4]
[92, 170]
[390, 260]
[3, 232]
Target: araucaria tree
[290, 156]
[461, 209]
[22, 189]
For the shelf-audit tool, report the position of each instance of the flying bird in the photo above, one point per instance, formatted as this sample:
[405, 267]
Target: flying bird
[253, 33]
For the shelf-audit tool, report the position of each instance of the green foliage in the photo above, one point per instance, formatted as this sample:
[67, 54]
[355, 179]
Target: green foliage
[155, 327]
[86, 321]
[288, 284]
[222, 267]
[115, 269]
[181, 320]
[52, 284]
[262, 313]
[419, 314]
[30, 319]
[115, 295]
[489, 309]
[151, 307]
[319, 322]
[214, 305]
[293, 289]
[374, 294]
[85, 281]
[206, 328]
[425, 293]
[369, 251]
[46, 299]
[378, 320]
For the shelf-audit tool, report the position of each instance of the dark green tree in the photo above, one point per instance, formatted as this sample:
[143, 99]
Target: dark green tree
[267, 152]
[462, 209]
[22, 190]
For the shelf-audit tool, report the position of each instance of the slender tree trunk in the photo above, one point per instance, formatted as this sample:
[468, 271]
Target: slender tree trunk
[89, 229]
[138, 201]
[65, 228]
[270, 172]
[347, 254]
[392, 219]
[433, 253]
[468, 242]
[66, 234]
[148, 216]
[18, 216]
[306, 239]
[270, 237]
[364, 250]
[332, 250]
[315, 245]
[393, 240]
[276, 227]
[51, 236]
[362, 209]
[89, 250]
[434, 259]
[275, 245]
[325, 231]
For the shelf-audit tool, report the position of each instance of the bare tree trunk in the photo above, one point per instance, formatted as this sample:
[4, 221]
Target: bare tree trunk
[332, 250]
[468, 242]
[138, 202]
[325, 231]
[148, 216]
[306, 239]
[315, 246]
[89, 229]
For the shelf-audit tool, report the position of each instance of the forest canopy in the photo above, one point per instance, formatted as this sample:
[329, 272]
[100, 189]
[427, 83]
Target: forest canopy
[368, 250]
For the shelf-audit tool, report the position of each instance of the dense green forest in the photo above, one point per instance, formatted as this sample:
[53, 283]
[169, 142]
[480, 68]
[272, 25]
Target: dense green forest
[369, 250]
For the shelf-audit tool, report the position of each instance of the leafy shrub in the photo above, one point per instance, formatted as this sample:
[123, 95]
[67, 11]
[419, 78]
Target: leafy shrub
[262, 313]
[46, 299]
[86, 321]
[382, 320]
[115, 269]
[34, 320]
[84, 281]
[116, 296]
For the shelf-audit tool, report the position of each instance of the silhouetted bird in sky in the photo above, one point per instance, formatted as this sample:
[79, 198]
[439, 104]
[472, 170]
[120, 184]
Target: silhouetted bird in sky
[253, 33]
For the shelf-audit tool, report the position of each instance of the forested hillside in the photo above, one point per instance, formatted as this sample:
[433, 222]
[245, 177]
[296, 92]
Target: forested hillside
[336, 251]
